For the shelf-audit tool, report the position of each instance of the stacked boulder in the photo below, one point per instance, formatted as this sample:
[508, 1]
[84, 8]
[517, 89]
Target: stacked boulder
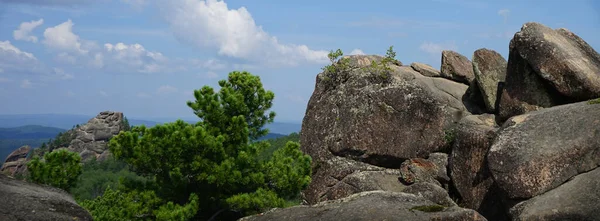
[482, 139]
[91, 140]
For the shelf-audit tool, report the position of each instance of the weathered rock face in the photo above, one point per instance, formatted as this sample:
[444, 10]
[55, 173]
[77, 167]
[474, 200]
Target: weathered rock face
[16, 162]
[431, 192]
[377, 118]
[538, 151]
[431, 170]
[425, 69]
[91, 139]
[577, 199]
[339, 177]
[373, 205]
[489, 68]
[27, 201]
[457, 67]
[468, 168]
[547, 68]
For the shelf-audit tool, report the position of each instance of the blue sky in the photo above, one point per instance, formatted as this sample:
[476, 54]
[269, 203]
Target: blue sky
[145, 57]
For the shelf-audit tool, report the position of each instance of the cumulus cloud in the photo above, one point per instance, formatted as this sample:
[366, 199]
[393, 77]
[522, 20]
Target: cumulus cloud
[23, 33]
[133, 56]
[12, 59]
[211, 24]
[357, 52]
[504, 13]
[436, 49]
[166, 89]
[61, 37]
[26, 83]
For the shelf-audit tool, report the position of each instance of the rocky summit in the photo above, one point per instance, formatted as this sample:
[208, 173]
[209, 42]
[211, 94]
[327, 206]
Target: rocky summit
[480, 139]
[26, 201]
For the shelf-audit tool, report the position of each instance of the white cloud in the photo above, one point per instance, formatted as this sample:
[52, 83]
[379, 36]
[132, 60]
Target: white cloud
[357, 52]
[25, 83]
[166, 89]
[62, 37]
[233, 32]
[12, 59]
[25, 29]
[504, 13]
[65, 58]
[133, 56]
[436, 49]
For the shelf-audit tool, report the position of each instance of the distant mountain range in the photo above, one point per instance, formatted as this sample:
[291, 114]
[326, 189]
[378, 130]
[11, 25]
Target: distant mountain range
[34, 129]
[67, 121]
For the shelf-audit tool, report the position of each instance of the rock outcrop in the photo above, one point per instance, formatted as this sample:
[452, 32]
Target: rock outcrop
[379, 118]
[514, 140]
[457, 67]
[91, 139]
[540, 150]
[577, 199]
[489, 68]
[373, 205]
[16, 162]
[26, 201]
[339, 177]
[547, 68]
[425, 69]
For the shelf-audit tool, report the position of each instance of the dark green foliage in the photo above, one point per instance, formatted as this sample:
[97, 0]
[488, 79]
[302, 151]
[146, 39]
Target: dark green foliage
[278, 143]
[450, 136]
[125, 126]
[215, 161]
[59, 169]
[337, 64]
[429, 208]
[594, 101]
[97, 176]
[135, 205]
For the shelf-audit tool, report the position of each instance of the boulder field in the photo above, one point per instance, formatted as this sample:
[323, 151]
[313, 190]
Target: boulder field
[480, 139]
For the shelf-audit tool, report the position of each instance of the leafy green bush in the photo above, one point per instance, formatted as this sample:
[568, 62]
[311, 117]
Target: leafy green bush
[59, 168]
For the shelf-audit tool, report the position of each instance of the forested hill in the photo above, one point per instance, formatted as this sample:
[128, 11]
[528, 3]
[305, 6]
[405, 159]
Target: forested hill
[32, 135]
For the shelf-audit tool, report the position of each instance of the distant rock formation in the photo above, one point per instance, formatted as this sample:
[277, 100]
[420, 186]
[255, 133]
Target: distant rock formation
[16, 162]
[21, 200]
[91, 140]
[514, 140]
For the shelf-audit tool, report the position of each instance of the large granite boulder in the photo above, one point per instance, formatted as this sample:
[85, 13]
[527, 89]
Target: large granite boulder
[16, 162]
[373, 205]
[540, 150]
[377, 117]
[431, 170]
[547, 68]
[91, 140]
[489, 68]
[20, 200]
[339, 177]
[457, 67]
[577, 199]
[468, 167]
